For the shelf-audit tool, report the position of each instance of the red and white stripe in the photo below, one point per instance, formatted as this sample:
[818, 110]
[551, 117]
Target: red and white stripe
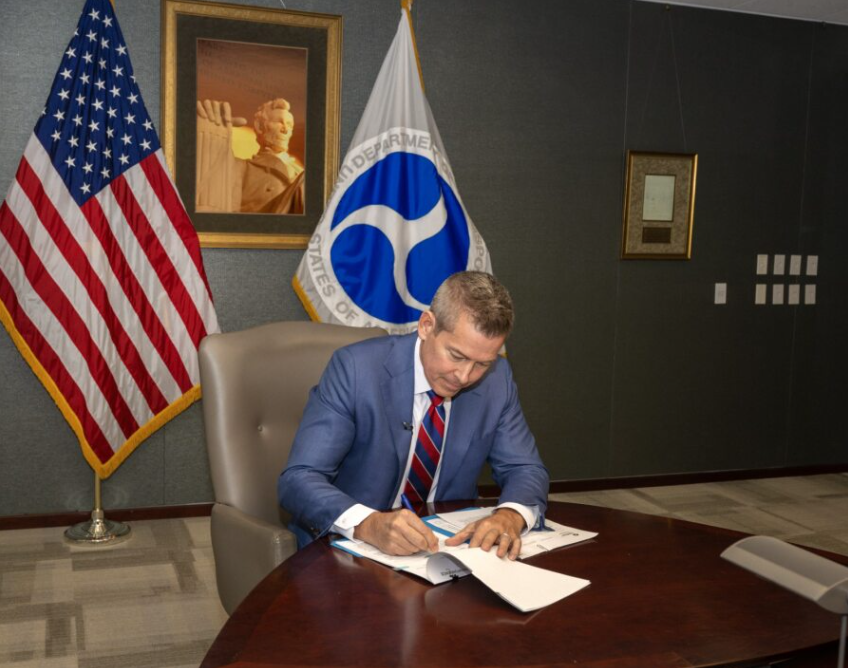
[110, 297]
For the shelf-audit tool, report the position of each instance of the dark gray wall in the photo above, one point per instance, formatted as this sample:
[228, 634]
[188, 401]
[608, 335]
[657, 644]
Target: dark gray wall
[624, 368]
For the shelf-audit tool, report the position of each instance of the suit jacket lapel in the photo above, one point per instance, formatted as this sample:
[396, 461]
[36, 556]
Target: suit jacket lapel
[465, 414]
[397, 390]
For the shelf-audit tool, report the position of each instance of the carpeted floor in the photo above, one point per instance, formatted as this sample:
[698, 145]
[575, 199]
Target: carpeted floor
[810, 510]
[151, 602]
[148, 602]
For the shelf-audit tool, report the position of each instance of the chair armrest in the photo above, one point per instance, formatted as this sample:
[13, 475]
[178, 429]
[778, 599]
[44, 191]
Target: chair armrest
[246, 549]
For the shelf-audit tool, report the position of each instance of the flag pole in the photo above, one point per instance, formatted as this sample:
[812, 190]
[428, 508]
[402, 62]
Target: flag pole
[407, 5]
[98, 530]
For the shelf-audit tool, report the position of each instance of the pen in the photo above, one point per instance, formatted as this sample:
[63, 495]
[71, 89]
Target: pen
[404, 499]
[406, 504]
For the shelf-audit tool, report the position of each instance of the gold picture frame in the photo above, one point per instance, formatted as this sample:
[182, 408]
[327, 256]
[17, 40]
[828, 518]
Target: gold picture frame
[253, 54]
[659, 206]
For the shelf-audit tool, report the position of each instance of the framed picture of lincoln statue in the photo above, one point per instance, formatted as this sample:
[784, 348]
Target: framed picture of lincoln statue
[250, 119]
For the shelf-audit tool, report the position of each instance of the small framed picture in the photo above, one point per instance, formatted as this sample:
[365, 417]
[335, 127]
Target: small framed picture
[659, 206]
[250, 119]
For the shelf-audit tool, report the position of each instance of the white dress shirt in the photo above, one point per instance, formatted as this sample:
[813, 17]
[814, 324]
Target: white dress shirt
[347, 522]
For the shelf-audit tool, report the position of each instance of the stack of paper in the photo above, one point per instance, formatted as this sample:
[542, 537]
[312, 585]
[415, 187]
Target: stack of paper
[525, 587]
[553, 536]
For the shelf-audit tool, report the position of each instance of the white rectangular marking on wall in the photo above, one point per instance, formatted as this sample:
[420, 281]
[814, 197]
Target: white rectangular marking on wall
[810, 294]
[812, 265]
[794, 295]
[720, 293]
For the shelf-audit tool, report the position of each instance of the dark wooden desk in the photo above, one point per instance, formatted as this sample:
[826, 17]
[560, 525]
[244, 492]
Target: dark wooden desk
[661, 597]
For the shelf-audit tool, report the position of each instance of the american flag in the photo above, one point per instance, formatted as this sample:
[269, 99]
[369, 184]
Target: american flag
[102, 286]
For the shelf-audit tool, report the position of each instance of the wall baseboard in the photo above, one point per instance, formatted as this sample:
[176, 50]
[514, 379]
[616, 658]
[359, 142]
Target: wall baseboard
[118, 514]
[485, 491]
[596, 484]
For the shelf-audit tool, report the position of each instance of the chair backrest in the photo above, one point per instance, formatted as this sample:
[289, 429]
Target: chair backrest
[255, 385]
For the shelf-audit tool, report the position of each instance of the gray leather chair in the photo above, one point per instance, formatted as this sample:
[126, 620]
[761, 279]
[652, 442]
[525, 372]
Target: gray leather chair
[255, 386]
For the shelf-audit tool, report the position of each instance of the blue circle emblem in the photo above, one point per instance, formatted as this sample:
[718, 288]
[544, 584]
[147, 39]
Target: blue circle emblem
[400, 222]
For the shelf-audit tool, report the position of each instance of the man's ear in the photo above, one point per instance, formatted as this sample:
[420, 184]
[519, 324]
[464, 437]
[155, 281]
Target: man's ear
[426, 325]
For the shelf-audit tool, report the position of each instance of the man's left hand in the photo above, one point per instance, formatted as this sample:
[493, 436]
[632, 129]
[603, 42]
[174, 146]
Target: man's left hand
[502, 528]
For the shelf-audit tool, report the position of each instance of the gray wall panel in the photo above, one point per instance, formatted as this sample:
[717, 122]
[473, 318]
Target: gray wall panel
[185, 473]
[697, 386]
[544, 130]
[820, 360]
[624, 368]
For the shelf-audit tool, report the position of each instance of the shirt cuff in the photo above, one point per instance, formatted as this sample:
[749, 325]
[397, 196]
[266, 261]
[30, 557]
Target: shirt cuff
[351, 518]
[529, 513]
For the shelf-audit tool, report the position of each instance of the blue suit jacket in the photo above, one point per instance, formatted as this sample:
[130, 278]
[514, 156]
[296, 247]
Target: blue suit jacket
[352, 447]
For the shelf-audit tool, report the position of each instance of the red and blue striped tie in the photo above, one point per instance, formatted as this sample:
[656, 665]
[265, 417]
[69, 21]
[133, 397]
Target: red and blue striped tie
[428, 451]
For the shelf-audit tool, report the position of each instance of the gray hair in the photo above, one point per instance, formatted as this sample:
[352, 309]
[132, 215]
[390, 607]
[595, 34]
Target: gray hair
[480, 296]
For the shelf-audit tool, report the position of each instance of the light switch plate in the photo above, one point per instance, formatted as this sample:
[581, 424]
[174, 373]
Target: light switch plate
[720, 293]
[810, 294]
[812, 265]
[794, 295]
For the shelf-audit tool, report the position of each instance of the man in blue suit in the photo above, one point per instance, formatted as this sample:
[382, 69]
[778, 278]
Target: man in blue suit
[358, 451]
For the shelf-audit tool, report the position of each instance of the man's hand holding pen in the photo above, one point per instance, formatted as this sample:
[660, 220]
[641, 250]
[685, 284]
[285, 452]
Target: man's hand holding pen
[399, 532]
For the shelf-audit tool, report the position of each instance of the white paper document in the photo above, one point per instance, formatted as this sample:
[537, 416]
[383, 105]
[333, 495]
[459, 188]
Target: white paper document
[554, 536]
[414, 564]
[523, 586]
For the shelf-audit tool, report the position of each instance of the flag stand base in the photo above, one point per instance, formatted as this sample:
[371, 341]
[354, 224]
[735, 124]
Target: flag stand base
[98, 530]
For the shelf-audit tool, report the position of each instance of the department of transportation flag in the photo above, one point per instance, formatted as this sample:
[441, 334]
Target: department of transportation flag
[395, 226]
[102, 286]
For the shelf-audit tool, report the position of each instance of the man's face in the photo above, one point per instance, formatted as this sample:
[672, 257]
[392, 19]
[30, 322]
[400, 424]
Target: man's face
[278, 130]
[455, 360]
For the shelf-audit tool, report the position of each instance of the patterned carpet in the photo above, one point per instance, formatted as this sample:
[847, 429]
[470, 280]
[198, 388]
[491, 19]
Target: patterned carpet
[151, 602]
[148, 602]
[810, 510]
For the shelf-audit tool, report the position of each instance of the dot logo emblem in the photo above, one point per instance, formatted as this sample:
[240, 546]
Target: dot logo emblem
[394, 229]
[397, 232]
